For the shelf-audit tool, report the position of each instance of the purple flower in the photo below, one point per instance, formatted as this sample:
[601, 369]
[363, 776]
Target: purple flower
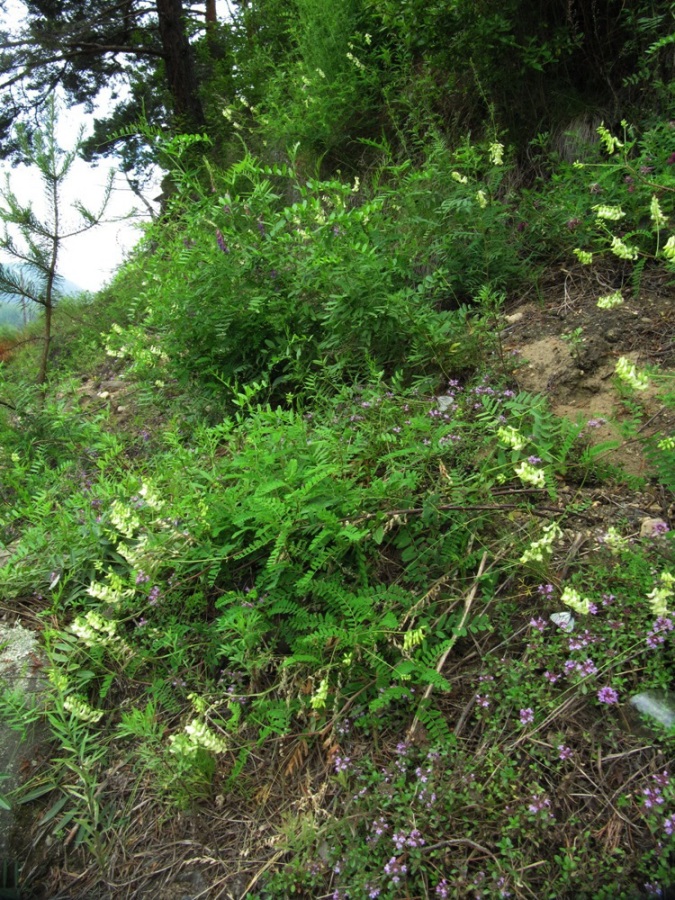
[415, 839]
[669, 824]
[662, 778]
[220, 240]
[540, 803]
[652, 796]
[659, 528]
[608, 599]
[399, 841]
[595, 423]
[341, 763]
[482, 700]
[526, 716]
[654, 640]
[564, 752]
[538, 623]
[656, 636]
[608, 695]
[588, 667]
[534, 460]
[394, 869]
[141, 578]
[551, 677]
[379, 827]
[546, 590]
[502, 886]
[442, 889]
[153, 596]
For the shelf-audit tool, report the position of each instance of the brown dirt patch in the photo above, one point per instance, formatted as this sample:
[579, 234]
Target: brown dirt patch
[569, 349]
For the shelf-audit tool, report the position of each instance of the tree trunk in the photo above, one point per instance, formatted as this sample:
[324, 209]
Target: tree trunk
[179, 64]
[42, 374]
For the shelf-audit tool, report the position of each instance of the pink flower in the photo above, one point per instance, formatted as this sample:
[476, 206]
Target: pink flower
[608, 695]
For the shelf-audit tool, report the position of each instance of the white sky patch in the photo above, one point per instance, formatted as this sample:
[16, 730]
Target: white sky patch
[89, 259]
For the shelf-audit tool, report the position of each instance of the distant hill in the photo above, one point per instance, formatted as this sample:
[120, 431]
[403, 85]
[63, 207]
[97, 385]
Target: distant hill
[11, 313]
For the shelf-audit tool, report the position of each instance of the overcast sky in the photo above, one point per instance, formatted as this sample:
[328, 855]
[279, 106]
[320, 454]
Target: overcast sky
[89, 259]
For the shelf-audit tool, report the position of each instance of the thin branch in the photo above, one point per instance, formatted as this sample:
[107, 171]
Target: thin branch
[441, 662]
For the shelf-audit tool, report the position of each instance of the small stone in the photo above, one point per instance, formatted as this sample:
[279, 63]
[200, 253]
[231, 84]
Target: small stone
[656, 704]
[653, 527]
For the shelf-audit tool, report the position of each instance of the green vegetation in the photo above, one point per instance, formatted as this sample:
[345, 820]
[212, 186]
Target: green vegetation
[293, 536]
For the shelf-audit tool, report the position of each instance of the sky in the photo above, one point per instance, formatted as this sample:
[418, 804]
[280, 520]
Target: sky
[90, 259]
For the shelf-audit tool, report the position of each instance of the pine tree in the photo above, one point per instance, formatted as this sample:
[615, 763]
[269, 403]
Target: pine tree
[34, 242]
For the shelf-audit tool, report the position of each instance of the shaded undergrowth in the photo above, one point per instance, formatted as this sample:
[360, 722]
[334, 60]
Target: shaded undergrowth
[294, 544]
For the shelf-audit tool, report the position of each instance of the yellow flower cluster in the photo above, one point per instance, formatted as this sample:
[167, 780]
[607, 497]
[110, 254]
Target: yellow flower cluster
[628, 373]
[496, 151]
[511, 437]
[661, 594]
[609, 301]
[318, 701]
[669, 248]
[584, 257]
[623, 250]
[413, 639]
[575, 601]
[529, 474]
[93, 629]
[79, 708]
[537, 549]
[609, 213]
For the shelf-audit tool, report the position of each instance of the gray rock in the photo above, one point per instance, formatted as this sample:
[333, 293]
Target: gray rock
[658, 705]
[19, 651]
